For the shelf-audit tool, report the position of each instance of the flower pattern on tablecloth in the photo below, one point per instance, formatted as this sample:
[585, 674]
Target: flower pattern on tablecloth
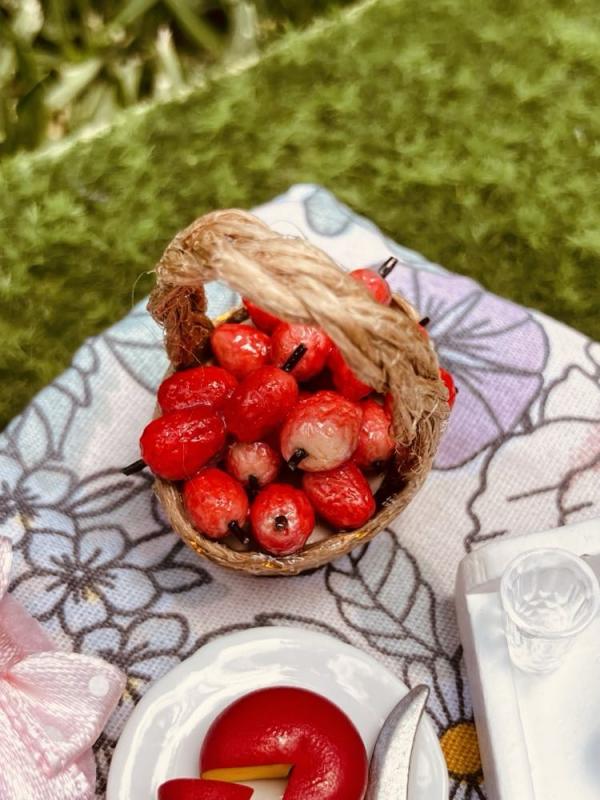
[96, 562]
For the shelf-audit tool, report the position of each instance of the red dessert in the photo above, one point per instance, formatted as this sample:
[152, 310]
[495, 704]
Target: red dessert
[208, 387]
[240, 348]
[196, 789]
[179, 443]
[449, 383]
[375, 441]
[253, 463]
[284, 731]
[321, 432]
[341, 496]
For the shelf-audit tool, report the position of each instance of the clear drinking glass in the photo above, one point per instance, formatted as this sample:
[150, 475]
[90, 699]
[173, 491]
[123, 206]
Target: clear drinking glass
[549, 596]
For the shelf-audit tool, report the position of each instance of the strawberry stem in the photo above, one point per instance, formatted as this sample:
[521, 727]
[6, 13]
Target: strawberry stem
[296, 457]
[237, 531]
[295, 357]
[387, 266]
[281, 522]
[253, 486]
[424, 322]
[137, 466]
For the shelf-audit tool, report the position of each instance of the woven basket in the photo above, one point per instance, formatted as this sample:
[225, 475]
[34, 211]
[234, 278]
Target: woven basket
[296, 281]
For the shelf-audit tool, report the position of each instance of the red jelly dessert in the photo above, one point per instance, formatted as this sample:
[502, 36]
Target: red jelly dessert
[216, 503]
[253, 463]
[196, 789]
[262, 319]
[260, 403]
[344, 380]
[377, 286]
[205, 386]
[286, 339]
[375, 441]
[284, 731]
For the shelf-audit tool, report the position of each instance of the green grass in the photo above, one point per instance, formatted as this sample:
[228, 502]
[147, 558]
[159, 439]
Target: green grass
[467, 130]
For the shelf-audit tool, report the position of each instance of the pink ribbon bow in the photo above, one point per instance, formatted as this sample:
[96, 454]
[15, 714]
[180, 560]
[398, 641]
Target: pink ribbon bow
[53, 707]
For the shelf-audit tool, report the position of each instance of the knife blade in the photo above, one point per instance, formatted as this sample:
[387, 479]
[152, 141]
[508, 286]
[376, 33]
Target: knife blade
[390, 762]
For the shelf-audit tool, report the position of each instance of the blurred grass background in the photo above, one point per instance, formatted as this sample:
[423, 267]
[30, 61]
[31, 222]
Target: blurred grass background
[466, 130]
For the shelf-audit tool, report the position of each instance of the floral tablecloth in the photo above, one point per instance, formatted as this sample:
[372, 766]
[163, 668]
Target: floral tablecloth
[96, 563]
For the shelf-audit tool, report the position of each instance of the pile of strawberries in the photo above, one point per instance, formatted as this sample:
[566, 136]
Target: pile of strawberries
[260, 455]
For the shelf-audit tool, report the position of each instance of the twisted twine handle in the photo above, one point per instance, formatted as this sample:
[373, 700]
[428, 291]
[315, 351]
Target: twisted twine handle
[295, 280]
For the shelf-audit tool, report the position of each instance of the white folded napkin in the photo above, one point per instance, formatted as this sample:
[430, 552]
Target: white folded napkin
[539, 735]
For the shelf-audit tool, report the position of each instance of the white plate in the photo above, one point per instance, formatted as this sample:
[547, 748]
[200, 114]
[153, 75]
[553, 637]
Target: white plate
[163, 736]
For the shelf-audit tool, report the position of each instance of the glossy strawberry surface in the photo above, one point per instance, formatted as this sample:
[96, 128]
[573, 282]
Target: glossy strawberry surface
[214, 500]
[375, 440]
[197, 789]
[282, 519]
[240, 348]
[377, 286]
[282, 725]
[260, 403]
[341, 496]
[326, 426]
[450, 385]
[206, 386]
[261, 318]
[344, 379]
[179, 443]
[285, 340]
[258, 460]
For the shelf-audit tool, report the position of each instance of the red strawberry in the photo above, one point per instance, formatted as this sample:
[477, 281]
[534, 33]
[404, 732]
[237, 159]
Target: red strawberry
[240, 348]
[260, 403]
[205, 386]
[375, 441]
[450, 385]
[285, 340]
[321, 432]
[341, 496]
[253, 463]
[344, 380]
[262, 319]
[197, 789]
[282, 519]
[376, 285]
[216, 503]
[179, 443]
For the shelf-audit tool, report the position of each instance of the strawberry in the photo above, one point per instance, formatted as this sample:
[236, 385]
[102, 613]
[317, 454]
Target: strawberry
[240, 348]
[287, 337]
[450, 385]
[216, 503]
[321, 432]
[179, 443]
[204, 386]
[341, 496]
[282, 519]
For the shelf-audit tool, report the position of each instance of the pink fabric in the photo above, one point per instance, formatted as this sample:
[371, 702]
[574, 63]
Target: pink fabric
[53, 707]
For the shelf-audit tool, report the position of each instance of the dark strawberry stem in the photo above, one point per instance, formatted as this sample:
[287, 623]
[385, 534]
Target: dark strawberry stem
[387, 266]
[424, 322]
[296, 457]
[137, 466]
[294, 358]
[253, 486]
[237, 531]
[281, 523]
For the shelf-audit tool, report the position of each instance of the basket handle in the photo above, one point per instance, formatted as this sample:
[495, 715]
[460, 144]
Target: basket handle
[293, 279]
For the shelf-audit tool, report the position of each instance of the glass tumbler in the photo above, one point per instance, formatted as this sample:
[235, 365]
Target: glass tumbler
[549, 596]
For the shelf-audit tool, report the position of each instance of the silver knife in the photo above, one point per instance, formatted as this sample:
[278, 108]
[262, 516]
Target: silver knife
[390, 762]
